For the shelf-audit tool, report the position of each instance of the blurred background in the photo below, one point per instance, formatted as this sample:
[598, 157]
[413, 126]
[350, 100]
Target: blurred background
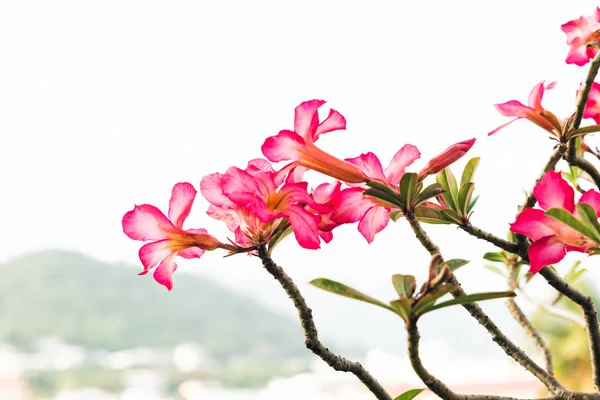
[104, 105]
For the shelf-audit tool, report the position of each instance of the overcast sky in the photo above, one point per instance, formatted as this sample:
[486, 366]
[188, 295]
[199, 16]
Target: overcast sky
[104, 105]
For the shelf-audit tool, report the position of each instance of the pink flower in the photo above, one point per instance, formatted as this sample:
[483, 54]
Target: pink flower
[372, 213]
[592, 107]
[446, 158]
[534, 112]
[257, 205]
[298, 145]
[580, 32]
[327, 195]
[146, 222]
[551, 238]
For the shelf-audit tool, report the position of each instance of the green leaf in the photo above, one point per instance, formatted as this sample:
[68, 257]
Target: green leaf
[589, 217]
[464, 198]
[430, 215]
[378, 194]
[494, 269]
[574, 272]
[402, 307]
[452, 216]
[409, 395]
[408, 188]
[472, 204]
[424, 304]
[469, 171]
[396, 215]
[429, 192]
[584, 131]
[405, 285]
[448, 182]
[471, 298]
[495, 257]
[346, 291]
[567, 218]
[383, 188]
[456, 263]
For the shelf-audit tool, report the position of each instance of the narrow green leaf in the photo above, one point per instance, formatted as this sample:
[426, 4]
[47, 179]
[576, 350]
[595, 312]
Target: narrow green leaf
[589, 217]
[396, 215]
[471, 298]
[464, 198]
[452, 216]
[402, 307]
[495, 257]
[430, 215]
[408, 188]
[456, 263]
[469, 171]
[428, 300]
[383, 188]
[448, 182]
[378, 194]
[494, 269]
[409, 394]
[430, 191]
[472, 204]
[567, 218]
[405, 285]
[584, 131]
[346, 291]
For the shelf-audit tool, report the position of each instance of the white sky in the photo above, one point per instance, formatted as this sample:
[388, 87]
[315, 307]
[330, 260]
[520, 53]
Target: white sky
[107, 104]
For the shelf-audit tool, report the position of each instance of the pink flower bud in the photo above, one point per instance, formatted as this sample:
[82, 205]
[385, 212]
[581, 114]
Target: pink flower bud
[446, 158]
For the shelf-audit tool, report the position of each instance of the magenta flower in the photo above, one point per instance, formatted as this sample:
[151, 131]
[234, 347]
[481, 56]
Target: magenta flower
[592, 107]
[373, 213]
[146, 222]
[446, 158]
[257, 205]
[533, 112]
[298, 145]
[580, 32]
[551, 238]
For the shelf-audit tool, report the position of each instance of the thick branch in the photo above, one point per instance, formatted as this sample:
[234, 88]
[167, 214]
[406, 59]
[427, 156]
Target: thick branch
[310, 330]
[589, 312]
[522, 319]
[511, 349]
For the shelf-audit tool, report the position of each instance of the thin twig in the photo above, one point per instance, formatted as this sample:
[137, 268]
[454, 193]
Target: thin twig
[311, 335]
[511, 349]
[488, 237]
[549, 309]
[589, 313]
[522, 319]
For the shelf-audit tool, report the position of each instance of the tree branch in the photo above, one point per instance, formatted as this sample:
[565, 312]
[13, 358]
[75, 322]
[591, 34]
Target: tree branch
[488, 237]
[511, 349]
[550, 166]
[311, 335]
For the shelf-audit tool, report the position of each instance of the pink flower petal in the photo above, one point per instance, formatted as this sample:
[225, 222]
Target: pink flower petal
[503, 126]
[592, 108]
[211, 188]
[152, 253]
[164, 271]
[327, 192]
[370, 165]
[402, 159]
[305, 225]
[306, 119]
[537, 93]
[352, 206]
[191, 252]
[326, 236]
[545, 251]
[532, 223]
[552, 191]
[513, 108]
[180, 205]
[592, 198]
[285, 146]
[146, 222]
[373, 222]
[334, 122]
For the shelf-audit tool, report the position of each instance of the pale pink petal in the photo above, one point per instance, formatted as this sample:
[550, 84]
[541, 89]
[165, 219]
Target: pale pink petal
[297, 193]
[182, 198]
[535, 96]
[513, 108]
[211, 188]
[334, 121]
[230, 217]
[306, 119]
[592, 108]
[552, 191]
[164, 271]
[503, 126]
[369, 164]
[327, 192]
[592, 198]
[545, 251]
[373, 222]
[402, 159]
[352, 206]
[152, 253]
[532, 223]
[259, 165]
[305, 225]
[577, 54]
[191, 252]
[146, 222]
[573, 29]
[285, 146]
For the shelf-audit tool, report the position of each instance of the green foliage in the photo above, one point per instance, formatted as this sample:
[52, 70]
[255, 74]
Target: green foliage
[409, 394]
